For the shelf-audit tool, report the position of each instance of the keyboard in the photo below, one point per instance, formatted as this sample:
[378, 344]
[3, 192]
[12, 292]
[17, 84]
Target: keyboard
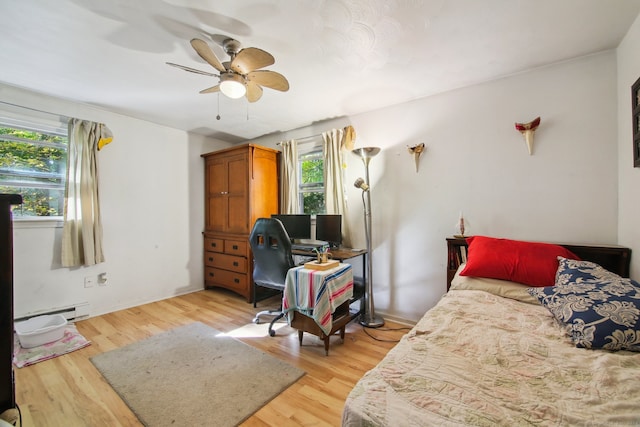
[305, 247]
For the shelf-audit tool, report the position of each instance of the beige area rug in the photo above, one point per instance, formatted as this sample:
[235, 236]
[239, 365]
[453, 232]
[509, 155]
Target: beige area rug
[194, 376]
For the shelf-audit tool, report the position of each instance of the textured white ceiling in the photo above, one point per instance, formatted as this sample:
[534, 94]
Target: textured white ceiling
[340, 57]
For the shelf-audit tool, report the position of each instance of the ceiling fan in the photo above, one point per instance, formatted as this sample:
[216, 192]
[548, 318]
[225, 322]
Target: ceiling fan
[242, 74]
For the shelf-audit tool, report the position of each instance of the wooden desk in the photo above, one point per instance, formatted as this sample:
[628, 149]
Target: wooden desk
[341, 254]
[317, 301]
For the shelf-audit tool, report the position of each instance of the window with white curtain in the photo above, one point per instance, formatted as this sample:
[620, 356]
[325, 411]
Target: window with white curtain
[33, 162]
[311, 178]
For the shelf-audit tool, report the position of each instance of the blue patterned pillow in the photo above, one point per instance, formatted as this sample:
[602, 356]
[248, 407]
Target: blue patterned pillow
[598, 308]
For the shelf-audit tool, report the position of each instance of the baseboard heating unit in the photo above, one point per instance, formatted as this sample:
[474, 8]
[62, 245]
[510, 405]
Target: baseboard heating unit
[71, 313]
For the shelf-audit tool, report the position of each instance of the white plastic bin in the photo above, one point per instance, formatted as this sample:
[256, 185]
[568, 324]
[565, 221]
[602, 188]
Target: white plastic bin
[40, 330]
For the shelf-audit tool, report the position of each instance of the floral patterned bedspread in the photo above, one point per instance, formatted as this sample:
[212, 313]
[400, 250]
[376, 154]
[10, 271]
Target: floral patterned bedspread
[483, 360]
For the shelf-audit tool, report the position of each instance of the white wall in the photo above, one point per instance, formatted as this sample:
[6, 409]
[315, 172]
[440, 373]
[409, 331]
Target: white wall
[152, 186]
[629, 177]
[478, 163]
[151, 192]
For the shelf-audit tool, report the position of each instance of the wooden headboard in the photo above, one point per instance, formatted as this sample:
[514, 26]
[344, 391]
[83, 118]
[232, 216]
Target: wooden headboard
[614, 258]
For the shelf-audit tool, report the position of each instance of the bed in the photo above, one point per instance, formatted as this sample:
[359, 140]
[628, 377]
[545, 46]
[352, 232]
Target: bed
[496, 351]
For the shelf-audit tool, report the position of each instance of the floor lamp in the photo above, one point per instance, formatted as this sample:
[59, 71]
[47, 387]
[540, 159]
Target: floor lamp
[368, 318]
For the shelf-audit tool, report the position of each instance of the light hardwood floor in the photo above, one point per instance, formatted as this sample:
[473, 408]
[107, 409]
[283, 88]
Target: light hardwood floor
[68, 390]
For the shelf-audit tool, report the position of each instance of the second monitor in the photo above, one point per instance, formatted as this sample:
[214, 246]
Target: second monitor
[329, 229]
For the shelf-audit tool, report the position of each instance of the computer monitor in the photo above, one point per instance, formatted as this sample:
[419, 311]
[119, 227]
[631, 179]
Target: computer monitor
[329, 229]
[297, 226]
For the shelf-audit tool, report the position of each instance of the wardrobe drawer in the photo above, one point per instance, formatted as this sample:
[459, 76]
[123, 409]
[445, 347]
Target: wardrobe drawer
[227, 262]
[235, 247]
[215, 245]
[226, 279]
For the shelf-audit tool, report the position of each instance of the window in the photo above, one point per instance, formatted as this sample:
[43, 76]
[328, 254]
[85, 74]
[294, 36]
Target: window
[311, 179]
[33, 163]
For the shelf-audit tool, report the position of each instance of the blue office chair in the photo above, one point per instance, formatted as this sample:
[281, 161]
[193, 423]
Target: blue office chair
[272, 259]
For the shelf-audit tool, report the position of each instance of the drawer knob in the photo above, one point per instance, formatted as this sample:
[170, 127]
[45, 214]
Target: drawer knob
[235, 263]
[236, 280]
[210, 258]
[211, 274]
[213, 245]
[235, 247]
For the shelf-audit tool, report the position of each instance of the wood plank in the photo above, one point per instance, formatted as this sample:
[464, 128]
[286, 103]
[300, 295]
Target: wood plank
[69, 391]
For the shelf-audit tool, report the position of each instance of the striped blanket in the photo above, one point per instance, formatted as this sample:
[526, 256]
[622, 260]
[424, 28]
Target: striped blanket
[317, 293]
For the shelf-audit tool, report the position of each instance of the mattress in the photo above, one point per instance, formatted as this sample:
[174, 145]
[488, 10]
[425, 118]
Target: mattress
[482, 359]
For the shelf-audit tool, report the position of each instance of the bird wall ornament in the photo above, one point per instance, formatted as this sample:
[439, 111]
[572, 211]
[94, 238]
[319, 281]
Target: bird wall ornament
[527, 130]
[417, 151]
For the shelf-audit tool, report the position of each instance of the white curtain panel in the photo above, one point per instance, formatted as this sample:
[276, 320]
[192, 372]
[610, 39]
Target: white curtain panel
[82, 230]
[289, 182]
[335, 197]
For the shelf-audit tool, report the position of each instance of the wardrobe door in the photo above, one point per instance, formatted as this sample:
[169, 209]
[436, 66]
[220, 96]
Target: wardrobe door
[7, 389]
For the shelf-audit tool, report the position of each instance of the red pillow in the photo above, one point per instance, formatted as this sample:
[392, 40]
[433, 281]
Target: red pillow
[534, 264]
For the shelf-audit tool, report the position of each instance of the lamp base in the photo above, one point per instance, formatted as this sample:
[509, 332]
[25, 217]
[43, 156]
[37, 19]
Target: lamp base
[371, 322]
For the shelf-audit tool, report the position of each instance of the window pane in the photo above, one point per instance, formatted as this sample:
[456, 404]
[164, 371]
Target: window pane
[312, 169]
[311, 188]
[313, 203]
[37, 201]
[33, 164]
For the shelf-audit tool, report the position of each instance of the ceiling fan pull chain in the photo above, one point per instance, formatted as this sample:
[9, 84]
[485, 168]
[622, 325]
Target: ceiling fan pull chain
[218, 116]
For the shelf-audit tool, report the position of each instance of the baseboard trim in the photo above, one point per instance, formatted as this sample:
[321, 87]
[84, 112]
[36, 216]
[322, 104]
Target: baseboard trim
[396, 319]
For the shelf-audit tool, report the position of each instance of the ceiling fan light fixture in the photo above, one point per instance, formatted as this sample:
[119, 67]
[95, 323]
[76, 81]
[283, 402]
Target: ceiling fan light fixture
[242, 75]
[232, 85]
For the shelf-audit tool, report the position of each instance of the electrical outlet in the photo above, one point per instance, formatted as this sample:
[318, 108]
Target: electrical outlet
[102, 279]
[89, 282]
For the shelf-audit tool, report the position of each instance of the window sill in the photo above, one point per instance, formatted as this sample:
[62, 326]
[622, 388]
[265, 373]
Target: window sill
[41, 222]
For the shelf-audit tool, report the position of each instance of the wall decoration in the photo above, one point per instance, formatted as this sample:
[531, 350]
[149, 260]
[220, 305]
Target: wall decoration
[461, 227]
[417, 151]
[635, 121]
[527, 130]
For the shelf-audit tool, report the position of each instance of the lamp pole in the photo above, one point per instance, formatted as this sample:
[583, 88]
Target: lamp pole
[368, 318]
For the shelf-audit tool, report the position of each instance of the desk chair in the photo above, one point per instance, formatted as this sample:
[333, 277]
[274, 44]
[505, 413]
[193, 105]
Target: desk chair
[272, 256]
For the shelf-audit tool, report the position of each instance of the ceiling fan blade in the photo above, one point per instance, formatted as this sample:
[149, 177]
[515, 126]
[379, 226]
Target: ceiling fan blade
[192, 70]
[269, 79]
[205, 52]
[254, 92]
[212, 89]
[250, 59]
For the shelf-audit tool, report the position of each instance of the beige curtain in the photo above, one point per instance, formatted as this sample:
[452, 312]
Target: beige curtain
[335, 198]
[82, 230]
[289, 182]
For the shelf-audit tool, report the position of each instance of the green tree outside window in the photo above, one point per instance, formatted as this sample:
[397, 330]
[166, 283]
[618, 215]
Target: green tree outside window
[312, 183]
[33, 164]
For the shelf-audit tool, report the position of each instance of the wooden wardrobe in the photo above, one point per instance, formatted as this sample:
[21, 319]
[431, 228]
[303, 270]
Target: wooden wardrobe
[7, 387]
[241, 185]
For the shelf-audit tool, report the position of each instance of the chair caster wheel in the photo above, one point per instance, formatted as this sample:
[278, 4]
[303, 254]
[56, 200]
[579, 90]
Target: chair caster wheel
[272, 333]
